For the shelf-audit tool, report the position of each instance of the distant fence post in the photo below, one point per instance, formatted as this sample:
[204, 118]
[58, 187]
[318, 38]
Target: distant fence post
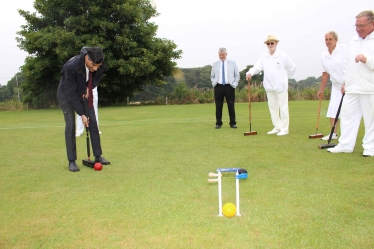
[128, 100]
[166, 102]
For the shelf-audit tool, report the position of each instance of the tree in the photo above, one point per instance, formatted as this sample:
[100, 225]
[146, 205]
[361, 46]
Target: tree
[4, 93]
[13, 88]
[198, 77]
[60, 28]
[256, 79]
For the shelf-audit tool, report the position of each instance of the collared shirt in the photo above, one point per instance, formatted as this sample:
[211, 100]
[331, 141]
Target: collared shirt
[359, 77]
[220, 73]
[87, 73]
[333, 64]
[277, 69]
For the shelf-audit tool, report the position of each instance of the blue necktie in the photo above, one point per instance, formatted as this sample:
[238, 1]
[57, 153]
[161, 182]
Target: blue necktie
[223, 73]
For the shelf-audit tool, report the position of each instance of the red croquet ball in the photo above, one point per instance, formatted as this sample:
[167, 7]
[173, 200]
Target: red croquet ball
[98, 166]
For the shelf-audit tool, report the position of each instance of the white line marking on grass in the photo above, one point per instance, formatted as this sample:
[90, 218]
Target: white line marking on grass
[149, 121]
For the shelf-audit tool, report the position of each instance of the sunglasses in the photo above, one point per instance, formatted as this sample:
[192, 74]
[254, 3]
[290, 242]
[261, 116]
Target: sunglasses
[270, 43]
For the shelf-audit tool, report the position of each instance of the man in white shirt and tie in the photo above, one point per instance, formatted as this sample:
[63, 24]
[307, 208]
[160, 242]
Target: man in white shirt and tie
[225, 78]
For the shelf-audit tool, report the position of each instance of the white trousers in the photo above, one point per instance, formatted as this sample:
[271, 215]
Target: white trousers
[79, 123]
[336, 96]
[278, 107]
[355, 107]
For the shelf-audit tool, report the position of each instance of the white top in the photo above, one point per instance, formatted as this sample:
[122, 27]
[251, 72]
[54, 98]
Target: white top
[359, 77]
[333, 64]
[87, 73]
[277, 69]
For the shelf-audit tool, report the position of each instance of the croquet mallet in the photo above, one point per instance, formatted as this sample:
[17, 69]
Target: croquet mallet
[328, 145]
[87, 162]
[318, 135]
[250, 132]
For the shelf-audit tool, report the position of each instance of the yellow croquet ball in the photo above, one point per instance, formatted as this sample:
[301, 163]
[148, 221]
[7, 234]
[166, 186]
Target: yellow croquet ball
[229, 210]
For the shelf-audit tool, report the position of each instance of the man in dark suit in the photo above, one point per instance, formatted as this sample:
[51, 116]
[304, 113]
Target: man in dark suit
[80, 75]
[225, 78]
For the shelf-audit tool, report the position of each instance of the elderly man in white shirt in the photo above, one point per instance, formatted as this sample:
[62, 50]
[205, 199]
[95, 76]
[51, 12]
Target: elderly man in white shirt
[358, 101]
[277, 67]
[332, 63]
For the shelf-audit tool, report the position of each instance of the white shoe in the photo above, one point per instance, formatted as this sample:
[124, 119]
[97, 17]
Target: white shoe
[100, 132]
[78, 134]
[282, 133]
[333, 137]
[368, 153]
[336, 149]
[274, 131]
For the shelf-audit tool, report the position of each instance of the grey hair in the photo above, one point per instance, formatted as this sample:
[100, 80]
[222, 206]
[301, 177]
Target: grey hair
[222, 50]
[369, 14]
[333, 33]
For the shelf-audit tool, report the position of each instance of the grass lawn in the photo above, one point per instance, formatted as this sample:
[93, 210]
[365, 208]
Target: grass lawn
[155, 193]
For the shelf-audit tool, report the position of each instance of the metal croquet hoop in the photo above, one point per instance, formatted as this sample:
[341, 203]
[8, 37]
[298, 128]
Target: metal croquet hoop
[239, 174]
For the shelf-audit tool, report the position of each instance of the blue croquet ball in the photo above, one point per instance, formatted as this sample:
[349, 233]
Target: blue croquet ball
[229, 210]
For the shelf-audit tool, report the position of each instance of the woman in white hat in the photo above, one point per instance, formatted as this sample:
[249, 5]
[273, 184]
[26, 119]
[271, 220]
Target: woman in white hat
[277, 67]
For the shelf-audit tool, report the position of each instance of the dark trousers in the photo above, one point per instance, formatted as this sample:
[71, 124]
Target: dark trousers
[70, 139]
[221, 92]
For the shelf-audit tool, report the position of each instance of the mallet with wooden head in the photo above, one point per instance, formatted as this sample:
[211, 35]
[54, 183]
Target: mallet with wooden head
[318, 135]
[250, 132]
[328, 145]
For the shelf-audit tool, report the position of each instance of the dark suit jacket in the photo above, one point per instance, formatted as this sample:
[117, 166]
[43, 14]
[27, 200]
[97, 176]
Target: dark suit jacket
[73, 82]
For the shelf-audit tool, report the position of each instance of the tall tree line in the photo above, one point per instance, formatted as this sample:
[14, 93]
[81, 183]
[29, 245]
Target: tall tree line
[60, 28]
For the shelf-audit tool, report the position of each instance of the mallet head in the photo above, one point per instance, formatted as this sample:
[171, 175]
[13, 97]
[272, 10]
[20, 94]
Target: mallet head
[250, 133]
[319, 135]
[326, 146]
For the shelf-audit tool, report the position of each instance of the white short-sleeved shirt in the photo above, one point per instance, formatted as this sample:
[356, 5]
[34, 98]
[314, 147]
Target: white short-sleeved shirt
[333, 64]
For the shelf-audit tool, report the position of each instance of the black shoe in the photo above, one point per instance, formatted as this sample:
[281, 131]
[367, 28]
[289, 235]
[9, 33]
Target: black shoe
[233, 126]
[73, 167]
[101, 160]
[218, 127]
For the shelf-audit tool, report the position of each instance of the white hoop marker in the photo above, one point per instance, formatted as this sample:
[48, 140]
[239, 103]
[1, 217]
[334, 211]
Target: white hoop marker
[219, 180]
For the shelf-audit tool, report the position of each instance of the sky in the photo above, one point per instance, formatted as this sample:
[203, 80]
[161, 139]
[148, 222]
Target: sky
[200, 27]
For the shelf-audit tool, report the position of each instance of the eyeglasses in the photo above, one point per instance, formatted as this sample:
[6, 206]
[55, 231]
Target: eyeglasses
[270, 43]
[361, 26]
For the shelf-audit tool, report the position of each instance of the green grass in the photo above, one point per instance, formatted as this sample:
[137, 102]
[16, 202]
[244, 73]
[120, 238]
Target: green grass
[155, 193]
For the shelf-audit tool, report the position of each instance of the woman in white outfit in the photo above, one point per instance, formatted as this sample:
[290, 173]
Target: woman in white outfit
[332, 60]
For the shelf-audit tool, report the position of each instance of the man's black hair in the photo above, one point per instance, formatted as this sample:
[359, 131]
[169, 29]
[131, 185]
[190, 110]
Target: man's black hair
[95, 54]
